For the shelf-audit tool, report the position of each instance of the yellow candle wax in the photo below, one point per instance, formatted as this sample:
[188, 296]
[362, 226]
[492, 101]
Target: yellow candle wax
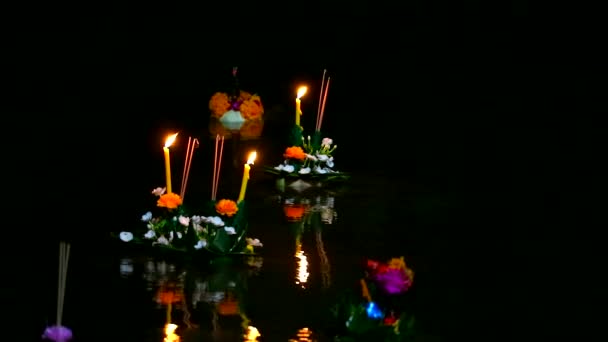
[168, 143]
[298, 111]
[244, 182]
[301, 92]
[167, 169]
[247, 167]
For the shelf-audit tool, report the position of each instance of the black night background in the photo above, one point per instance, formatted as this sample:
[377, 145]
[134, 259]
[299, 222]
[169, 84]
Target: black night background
[465, 99]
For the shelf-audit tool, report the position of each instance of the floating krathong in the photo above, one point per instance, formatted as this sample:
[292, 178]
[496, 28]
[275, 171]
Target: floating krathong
[309, 157]
[218, 226]
[58, 332]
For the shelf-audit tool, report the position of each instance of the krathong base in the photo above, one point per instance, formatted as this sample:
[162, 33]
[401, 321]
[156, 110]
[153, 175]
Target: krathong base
[219, 228]
[232, 120]
[57, 333]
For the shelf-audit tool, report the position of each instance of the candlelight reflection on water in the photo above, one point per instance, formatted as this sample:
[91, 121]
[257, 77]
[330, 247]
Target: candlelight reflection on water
[302, 272]
[303, 335]
[171, 336]
[252, 334]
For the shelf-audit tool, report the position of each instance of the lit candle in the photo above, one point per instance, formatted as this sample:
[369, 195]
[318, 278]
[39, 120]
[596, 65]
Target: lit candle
[170, 335]
[168, 142]
[250, 161]
[301, 92]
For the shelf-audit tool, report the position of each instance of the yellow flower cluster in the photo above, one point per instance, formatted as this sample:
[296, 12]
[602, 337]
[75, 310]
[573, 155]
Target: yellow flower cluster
[250, 106]
[219, 104]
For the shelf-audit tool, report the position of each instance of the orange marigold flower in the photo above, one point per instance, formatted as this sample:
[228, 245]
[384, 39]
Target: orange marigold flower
[219, 104]
[295, 152]
[252, 108]
[226, 207]
[169, 201]
[169, 296]
[294, 212]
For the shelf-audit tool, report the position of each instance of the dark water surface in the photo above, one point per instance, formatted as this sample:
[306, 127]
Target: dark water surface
[448, 235]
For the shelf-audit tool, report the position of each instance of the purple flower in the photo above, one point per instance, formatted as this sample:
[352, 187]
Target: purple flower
[393, 281]
[57, 333]
[236, 105]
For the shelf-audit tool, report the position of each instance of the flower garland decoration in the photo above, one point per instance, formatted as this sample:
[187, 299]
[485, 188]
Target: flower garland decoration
[250, 106]
[171, 227]
[309, 160]
[168, 225]
[224, 231]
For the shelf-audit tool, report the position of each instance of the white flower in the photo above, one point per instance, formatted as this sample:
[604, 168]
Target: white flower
[320, 170]
[171, 236]
[147, 216]
[322, 157]
[330, 162]
[304, 170]
[254, 242]
[184, 221]
[197, 219]
[215, 220]
[279, 167]
[162, 240]
[126, 236]
[150, 234]
[288, 168]
[198, 227]
[159, 191]
[327, 142]
[179, 235]
[230, 230]
[200, 244]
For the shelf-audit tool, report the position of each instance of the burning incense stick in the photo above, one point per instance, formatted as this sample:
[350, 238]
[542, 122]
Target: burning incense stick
[185, 167]
[59, 333]
[323, 105]
[64, 255]
[320, 99]
[217, 165]
[192, 144]
[219, 168]
[217, 138]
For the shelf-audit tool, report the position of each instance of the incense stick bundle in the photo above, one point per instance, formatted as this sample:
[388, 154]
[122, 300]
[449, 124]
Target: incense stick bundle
[320, 99]
[320, 121]
[217, 165]
[64, 256]
[192, 144]
[59, 333]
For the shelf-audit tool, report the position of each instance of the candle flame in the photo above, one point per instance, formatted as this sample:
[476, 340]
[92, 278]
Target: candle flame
[170, 333]
[301, 91]
[252, 157]
[252, 334]
[170, 140]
